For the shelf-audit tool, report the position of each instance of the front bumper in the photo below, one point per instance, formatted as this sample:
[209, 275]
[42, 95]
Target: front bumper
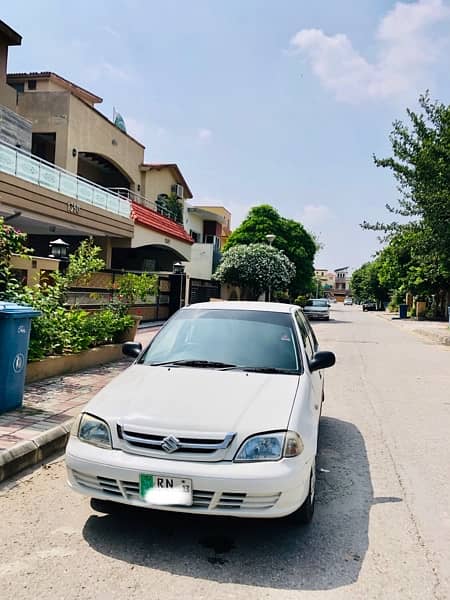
[259, 490]
[317, 315]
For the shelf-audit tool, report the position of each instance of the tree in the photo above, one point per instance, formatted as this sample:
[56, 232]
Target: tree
[421, 166]
[255, 268]
[291, 237]
[366, 283]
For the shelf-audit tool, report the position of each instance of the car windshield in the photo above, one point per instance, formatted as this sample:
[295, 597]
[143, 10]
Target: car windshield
[227, 338]
[318, 302]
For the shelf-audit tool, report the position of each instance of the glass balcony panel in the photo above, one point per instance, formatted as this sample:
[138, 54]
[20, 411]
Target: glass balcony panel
[100, 198]
[7, 160]
[85, 192]
[68, 185]
[27, 168]
[49, 178]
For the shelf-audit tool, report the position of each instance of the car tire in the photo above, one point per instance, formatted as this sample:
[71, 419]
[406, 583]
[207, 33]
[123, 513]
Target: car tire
[105, 506]
[304, 514]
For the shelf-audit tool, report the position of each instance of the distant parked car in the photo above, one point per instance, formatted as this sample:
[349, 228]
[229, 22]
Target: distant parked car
[317, 308]
[348, 301]
[369, 305]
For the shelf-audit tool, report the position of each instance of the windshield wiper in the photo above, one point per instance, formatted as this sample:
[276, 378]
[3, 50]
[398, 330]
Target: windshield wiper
[193, 363]
[269, 370]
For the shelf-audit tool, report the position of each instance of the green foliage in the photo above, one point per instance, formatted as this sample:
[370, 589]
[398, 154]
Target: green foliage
[132, 287]
[255, 268]
[11, 242]
[417, 257]
[173, 205]
[61, 329]
[291, 237]
[366, 283]
[301, 300]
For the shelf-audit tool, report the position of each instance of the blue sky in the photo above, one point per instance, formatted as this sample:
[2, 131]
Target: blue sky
[258, 102]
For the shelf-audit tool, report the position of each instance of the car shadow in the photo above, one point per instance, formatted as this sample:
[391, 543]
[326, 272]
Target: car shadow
[266, 553]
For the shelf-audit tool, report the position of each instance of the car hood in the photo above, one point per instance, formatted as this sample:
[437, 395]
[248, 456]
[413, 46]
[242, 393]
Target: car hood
[197, 400]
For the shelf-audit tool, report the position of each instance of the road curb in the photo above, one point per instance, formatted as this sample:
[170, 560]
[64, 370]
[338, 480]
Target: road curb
[29, 452]
[436, 337]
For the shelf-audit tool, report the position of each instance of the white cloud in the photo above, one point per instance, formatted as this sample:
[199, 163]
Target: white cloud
[408, 44]
[204, 135]
[315, 214]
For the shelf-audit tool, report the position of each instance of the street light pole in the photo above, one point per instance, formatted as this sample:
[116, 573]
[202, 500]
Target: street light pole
[270, 237]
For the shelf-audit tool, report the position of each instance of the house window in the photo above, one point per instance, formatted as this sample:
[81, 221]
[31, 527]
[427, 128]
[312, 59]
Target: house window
[32, 84]
[44, 145]
[195, 236]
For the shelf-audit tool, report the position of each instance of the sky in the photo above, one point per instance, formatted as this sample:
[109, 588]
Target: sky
[258, 102]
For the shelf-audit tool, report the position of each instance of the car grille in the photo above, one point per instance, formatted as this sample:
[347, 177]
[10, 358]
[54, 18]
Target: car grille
[202, 499]
[172, 444]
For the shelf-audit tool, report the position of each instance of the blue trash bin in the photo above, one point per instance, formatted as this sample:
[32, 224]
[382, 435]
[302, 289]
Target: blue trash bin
[15, 325]
[403, 311]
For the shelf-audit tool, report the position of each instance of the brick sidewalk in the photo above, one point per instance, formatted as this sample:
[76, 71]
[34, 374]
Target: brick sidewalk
[52, 403]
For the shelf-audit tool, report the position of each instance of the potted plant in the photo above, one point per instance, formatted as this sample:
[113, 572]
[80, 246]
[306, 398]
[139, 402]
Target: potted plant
[132, 288]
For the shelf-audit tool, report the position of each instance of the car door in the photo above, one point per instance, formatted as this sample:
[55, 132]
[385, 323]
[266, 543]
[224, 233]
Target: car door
[316, 377]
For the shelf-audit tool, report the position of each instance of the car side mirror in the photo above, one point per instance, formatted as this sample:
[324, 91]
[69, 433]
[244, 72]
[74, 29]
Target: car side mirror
[322, 360]
[132, 349]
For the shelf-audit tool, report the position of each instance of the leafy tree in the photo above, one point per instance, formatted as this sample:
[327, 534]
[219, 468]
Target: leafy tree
[366, 283]
[255, 268]
[421, 166]
[291, 237]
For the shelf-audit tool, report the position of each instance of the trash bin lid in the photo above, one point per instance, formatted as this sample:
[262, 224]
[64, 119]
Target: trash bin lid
[12, 309]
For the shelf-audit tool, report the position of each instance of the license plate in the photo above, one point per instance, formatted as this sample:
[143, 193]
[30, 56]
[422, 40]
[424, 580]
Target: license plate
[165, 491]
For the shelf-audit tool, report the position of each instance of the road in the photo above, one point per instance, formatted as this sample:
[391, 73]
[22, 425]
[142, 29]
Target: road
[382, 522]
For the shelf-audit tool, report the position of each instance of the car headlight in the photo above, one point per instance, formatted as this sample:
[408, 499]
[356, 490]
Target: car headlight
[94, 431]
[270, 446]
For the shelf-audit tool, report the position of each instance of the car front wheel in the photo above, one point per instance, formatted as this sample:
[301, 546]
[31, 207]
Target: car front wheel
[304, 514]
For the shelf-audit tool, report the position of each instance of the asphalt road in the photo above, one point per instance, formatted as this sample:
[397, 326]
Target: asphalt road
[382, 522]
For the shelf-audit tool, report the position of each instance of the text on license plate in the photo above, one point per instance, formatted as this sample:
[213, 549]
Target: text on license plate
[158, 489]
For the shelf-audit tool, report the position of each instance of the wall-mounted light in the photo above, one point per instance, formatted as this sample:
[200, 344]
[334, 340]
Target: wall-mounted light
[138, 187]
[114, 142]
[74, 152]
[59, 249]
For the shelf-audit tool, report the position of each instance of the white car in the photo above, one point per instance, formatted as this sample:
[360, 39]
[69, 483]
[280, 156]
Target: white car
[348, 301]
[219, 415]
[317, 308]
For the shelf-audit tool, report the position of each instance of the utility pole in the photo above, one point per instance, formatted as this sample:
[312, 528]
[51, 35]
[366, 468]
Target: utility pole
[270, 237]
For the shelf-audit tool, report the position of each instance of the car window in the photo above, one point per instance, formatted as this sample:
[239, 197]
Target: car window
[318, 302]
[312, 335]
[247, 338]
[307, 340]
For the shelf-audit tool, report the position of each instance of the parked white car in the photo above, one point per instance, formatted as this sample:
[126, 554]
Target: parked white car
[317, 308]
[218, 415]
[348, 301]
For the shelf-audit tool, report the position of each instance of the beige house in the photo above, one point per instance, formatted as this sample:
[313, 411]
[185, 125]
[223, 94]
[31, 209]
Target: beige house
[82, 174]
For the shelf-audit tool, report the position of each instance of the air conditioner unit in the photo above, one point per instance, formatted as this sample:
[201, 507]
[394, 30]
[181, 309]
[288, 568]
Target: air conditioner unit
[178, 190]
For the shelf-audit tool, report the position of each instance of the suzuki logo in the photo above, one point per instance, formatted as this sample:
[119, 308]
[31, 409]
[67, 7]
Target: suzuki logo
[170, 444]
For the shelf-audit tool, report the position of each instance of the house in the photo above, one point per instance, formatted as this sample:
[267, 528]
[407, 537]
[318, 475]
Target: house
[342, 283]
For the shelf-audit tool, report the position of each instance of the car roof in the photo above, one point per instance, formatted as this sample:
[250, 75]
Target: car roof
[243, 305]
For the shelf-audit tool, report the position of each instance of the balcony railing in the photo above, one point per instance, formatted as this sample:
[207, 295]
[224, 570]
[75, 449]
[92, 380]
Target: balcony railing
[29, 167]
[151, 204]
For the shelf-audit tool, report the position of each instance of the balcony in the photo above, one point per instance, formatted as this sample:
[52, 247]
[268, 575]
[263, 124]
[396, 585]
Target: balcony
[28, 167]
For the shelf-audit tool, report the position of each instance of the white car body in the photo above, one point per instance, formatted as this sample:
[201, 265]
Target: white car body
[348, 302]
[317, 308]
[202, 406]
